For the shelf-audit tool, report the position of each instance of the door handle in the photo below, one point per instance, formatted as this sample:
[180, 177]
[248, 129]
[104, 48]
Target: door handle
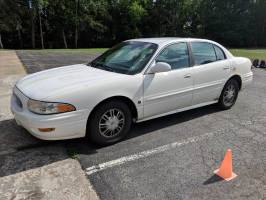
[187, 76]
[227, 67]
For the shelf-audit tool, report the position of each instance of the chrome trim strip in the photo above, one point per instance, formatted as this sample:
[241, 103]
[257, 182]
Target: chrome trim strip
[172, 93]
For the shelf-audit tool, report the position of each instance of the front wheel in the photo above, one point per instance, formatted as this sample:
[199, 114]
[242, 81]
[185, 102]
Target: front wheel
[229, 94]
[109, 123]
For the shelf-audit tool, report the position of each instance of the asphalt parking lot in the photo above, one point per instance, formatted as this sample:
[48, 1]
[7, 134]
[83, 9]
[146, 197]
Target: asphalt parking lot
[35, 61]
[172, 157]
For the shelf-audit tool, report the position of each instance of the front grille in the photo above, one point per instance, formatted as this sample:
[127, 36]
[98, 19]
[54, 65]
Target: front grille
[18, 101]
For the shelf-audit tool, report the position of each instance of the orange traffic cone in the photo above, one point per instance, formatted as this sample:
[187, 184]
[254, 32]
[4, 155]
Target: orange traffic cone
[226, 169]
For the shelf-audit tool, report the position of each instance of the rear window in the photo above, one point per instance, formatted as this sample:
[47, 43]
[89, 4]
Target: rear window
[203, 53]
[219, 53]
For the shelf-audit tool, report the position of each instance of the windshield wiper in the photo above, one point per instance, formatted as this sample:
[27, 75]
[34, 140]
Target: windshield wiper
[102, 66]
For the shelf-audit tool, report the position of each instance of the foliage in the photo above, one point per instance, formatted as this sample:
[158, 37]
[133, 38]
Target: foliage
[90, 23]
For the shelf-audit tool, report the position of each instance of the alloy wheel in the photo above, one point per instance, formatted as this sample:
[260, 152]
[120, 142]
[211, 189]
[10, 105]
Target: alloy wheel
[111, 123]
[229, 95]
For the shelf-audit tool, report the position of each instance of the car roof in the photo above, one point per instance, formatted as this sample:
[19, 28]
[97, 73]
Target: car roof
[165, 40]
[157, 40]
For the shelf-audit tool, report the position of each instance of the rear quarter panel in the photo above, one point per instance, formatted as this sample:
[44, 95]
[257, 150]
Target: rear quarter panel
[242, 66]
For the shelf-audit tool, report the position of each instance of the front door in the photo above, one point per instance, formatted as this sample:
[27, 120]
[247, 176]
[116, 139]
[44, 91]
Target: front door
[168, 91]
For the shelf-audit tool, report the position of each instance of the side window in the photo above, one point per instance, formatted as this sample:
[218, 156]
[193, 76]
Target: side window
[175, 55]
[203, 53]
[219, 53]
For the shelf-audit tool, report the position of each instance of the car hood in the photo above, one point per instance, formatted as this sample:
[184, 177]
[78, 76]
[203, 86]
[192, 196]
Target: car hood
[59, 80]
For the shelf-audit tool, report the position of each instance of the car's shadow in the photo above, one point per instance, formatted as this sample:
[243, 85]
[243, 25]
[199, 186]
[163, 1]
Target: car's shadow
[19, 151]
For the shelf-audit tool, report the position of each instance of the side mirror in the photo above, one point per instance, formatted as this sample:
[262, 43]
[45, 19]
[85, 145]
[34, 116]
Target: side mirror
[159, 67]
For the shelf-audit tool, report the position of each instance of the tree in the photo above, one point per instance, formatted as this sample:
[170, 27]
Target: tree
[87, 23]
[93, 20]
[257, 23]
[41, 4]
[223, 21]
[11, 21]
[60, 19]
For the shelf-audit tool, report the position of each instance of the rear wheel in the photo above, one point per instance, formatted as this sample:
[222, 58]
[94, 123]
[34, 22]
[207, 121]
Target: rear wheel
[109, 123]
[229, 94]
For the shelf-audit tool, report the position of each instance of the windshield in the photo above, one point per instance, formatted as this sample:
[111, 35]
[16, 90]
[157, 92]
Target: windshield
[127, 57]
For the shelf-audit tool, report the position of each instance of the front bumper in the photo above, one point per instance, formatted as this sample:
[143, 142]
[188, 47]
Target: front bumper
[67, 125]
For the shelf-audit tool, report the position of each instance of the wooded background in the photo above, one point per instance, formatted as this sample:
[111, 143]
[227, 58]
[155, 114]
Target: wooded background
[102, 23]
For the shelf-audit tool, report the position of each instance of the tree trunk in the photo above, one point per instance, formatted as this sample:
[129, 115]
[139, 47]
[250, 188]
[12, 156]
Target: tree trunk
[76, 37]
[76, 24]
[1, 44]
[19, 34]
[64, 38]
[32, 30]
[41, 34]
[20, 39]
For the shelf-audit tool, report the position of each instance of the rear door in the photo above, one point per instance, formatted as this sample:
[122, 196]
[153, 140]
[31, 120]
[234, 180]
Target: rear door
[210, 72]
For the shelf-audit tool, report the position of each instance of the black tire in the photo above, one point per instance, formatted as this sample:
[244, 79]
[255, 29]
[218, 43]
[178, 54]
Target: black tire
[97, 135]
[225, 102]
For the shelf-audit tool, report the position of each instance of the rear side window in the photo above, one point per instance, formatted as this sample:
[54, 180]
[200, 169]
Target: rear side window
[219, 53]
[203, 53]
[175, 55]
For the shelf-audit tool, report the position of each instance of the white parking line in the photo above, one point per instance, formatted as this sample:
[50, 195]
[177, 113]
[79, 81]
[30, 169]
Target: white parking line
[143, 154]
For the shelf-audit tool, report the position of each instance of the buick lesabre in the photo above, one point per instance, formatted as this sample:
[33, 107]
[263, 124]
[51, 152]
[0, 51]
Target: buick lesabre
[134, 81]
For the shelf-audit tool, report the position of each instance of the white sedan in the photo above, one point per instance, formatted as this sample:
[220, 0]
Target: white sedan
[134, 81]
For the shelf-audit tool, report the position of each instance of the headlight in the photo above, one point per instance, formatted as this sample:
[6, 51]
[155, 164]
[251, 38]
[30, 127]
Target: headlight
[46, 108]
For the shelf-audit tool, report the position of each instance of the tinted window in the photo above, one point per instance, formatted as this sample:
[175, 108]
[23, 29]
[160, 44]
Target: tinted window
[175, 55]
[203, 53]
[219, 53]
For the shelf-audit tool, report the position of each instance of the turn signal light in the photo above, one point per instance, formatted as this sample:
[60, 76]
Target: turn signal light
[46, 129]
[65, 108]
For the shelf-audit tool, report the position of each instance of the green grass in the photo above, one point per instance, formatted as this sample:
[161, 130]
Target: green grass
[88, 50]
[250, 53]
[72, 153]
